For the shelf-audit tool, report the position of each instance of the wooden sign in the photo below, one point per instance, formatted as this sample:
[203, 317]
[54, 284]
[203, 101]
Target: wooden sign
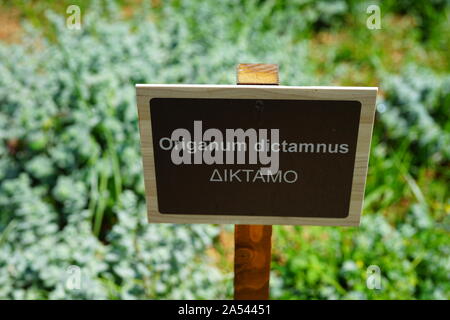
[255, 154]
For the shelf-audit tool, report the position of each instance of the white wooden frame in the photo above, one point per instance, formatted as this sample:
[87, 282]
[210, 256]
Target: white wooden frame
[365, 95]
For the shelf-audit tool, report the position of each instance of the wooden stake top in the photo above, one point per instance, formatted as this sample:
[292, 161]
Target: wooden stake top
[257, 73]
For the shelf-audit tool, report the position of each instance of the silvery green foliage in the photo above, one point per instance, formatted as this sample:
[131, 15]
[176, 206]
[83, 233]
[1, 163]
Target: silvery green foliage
[70, 169]
[71, 184]
[416, 112]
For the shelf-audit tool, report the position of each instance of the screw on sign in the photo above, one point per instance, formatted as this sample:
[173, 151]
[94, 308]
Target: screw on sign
[255, 154]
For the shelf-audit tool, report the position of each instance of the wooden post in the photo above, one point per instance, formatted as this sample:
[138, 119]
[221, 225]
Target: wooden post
[253, 247]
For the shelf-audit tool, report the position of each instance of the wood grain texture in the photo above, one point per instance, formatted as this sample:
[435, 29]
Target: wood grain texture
[365, 95]
[252, 257]
[253, 243]
[257, 73]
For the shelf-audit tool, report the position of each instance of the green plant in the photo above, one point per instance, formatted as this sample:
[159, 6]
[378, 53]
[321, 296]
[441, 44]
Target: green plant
[71, 184]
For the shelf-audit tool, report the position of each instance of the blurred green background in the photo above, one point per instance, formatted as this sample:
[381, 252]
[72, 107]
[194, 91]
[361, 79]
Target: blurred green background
[71, 184]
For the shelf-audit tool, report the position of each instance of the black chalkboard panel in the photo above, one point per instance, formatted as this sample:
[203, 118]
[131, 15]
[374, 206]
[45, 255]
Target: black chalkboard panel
[314, 143]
